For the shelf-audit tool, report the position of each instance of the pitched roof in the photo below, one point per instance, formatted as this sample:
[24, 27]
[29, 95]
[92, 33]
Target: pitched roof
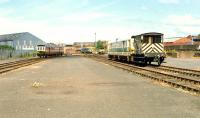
[12, 36]
[184, 40]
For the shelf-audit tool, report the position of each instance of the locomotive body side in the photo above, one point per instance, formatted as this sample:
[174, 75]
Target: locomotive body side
[121, 50]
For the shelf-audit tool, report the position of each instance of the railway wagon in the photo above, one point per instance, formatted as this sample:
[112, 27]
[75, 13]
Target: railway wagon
[49, 50]
[144, 48]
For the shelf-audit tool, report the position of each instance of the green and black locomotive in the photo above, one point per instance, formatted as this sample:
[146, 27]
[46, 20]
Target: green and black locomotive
[144, 48]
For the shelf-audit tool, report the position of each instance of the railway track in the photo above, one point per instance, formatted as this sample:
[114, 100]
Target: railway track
[185, 71]
[6, 67]
[186, 79]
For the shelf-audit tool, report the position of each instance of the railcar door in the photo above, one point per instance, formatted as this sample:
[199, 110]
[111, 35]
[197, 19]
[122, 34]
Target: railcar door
[137, 45]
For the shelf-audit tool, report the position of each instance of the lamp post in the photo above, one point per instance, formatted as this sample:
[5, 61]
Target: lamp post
[95, 37]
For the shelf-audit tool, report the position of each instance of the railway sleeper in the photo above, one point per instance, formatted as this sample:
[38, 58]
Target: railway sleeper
[180, 72]
[191, 80]
[183, 69]
[14, 67]
[177, 77]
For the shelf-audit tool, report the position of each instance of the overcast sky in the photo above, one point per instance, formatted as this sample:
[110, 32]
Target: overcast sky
[68, 21]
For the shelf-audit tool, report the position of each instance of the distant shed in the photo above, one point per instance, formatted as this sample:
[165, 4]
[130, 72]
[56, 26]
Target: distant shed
[70, 50]
[23, 43]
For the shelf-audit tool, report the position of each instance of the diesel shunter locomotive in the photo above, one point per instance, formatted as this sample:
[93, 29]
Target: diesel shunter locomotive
[144, 48]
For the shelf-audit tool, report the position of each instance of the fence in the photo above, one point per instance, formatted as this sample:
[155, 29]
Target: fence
[7, 52]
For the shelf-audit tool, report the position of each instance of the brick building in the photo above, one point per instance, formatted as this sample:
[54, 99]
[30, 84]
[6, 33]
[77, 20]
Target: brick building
[186, 47]
[70, 50]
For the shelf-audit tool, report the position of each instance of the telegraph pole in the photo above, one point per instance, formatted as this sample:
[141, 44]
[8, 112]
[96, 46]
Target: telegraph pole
[95, 37]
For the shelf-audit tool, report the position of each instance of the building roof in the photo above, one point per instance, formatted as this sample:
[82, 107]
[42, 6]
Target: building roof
[10, 37]
[15, 36]
[68, 45]
[51, 45]
[183, 41]
[84, 43]
[148, 33]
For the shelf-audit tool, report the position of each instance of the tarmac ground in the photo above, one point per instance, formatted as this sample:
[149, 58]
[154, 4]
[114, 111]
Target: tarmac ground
[78, 87]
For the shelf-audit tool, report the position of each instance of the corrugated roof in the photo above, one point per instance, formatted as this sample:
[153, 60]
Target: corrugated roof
[51, 45]
[11, 36]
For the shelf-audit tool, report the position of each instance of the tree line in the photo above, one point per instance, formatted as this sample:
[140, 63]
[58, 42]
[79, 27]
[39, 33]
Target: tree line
[6, 51]
[101, 45]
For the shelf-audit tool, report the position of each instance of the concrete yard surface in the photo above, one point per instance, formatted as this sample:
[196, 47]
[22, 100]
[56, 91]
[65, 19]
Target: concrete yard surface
[193, 63]
[78, 87]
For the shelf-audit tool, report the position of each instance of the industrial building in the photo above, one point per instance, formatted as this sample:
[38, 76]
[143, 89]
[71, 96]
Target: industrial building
[23, 43]
[70, 50]
[186, 47]
[84, 44]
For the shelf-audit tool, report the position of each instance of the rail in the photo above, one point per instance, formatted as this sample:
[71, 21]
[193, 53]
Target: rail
[187, 83]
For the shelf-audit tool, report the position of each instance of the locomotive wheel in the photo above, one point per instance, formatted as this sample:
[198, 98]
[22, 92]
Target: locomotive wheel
[145, 63]
[149, 62]
[159, 61]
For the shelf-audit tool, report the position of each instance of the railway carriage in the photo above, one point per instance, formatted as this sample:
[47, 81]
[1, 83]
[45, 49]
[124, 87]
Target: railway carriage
[49, 50]
[144, 48]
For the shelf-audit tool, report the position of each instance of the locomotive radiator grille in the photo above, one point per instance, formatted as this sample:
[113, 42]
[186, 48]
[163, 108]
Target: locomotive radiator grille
[152, 48]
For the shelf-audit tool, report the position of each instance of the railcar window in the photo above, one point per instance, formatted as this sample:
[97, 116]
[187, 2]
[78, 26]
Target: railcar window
[196, 40]
[152, 39]
[146, 39]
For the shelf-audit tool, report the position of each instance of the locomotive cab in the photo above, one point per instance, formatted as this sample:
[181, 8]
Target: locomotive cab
[149, 48]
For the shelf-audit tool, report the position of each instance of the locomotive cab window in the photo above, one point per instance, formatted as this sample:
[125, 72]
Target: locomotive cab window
[157, 39]
[152, 39]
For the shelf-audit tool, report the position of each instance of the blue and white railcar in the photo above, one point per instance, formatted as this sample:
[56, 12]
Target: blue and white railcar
[48, 50]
